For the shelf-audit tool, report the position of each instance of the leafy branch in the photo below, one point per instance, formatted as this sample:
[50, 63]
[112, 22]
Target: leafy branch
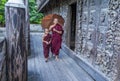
[35, 16]
[2, 10]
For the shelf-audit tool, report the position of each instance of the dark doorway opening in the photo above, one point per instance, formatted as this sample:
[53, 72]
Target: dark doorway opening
[73, 26]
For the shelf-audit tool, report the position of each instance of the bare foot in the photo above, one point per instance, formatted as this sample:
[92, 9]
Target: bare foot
[46, 60]
[56, 58]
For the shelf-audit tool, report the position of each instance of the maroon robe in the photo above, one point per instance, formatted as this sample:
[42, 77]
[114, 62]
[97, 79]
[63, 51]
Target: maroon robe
[46, 47]
[56, 39]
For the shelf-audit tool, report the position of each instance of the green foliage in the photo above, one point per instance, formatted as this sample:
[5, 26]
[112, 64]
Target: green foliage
[35, 16]
[2, 10]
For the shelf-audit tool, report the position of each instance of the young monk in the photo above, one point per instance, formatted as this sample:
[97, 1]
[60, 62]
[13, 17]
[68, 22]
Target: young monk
[57, 32]
[46, 44]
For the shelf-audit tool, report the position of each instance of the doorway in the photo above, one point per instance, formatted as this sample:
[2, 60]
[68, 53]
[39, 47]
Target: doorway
[73, 26]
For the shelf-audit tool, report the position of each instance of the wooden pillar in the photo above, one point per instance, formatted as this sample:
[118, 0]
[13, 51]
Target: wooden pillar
[16, 44]
[27, 28]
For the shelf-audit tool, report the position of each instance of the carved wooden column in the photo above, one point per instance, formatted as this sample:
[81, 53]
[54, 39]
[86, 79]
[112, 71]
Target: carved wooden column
[27, 27]
[16, 44]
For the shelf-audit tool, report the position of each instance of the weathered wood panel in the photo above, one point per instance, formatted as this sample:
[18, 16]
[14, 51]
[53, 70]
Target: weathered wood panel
[3, 60]
[16, 44]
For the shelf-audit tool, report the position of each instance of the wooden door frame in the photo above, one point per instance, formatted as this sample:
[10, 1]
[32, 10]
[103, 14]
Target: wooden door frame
[70, 7]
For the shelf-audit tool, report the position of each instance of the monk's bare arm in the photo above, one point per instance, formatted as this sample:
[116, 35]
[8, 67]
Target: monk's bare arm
[49, 41]
[44, 40]
[60, 32]
[51, 27]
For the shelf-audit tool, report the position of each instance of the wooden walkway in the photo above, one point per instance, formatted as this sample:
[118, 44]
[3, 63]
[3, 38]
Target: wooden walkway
[65, 69]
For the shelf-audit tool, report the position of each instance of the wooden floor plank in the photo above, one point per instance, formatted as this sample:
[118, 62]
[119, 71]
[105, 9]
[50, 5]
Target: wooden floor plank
[77, 71]
[63, 76]
[36, 75]
[65, 69]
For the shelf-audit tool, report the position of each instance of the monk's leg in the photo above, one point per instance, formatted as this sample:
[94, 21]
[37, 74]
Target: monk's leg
[46, 53]
[53, 50]
[57, 49]
[57, 54]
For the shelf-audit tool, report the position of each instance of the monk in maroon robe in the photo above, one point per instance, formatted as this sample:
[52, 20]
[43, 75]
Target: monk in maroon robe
[46, 44]
[57, 32]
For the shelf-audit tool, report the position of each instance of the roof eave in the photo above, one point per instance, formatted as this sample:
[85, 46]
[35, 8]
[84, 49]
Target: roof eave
[42, 5]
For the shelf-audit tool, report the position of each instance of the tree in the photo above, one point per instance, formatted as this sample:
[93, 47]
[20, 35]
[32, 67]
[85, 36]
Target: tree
[35, 16]
[2, 10]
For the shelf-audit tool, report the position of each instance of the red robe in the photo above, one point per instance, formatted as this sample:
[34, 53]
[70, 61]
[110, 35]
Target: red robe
[56, 40]
[46, 47]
